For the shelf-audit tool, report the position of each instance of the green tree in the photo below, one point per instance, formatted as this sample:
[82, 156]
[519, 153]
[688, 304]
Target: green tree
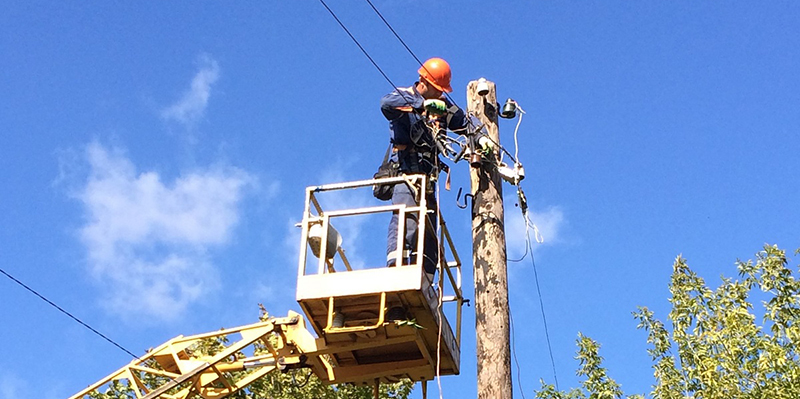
[714, 347]
[304, 385]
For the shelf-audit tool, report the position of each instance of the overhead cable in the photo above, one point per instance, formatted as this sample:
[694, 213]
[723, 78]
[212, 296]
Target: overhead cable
[69, 314]
[388, 25]
[364, 51]
[541, 306]
[514, 352]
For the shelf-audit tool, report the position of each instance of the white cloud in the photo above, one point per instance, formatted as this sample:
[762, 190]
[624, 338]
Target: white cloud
[192, 105]
[10, 386]
[147, 241]
[549, 223]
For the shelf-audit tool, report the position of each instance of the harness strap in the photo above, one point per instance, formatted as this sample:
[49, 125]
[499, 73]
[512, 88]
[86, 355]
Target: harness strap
[450, 112]
[388, 151]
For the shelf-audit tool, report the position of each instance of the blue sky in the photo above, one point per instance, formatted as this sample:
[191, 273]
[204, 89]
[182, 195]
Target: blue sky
[153, 158]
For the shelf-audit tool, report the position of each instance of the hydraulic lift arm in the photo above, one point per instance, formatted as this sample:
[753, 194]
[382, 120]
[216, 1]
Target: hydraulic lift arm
[187, 366]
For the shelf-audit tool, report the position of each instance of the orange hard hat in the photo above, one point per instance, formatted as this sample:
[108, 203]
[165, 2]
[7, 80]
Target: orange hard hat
[437, 72]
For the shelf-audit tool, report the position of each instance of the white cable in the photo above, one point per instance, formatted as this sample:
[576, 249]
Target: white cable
[516, 142]
[441, 278]
[439, 348]
[536, 234]
[441, 297]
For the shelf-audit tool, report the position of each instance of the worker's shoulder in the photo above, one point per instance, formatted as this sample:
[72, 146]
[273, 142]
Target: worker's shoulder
[403, 90]
[405, 97]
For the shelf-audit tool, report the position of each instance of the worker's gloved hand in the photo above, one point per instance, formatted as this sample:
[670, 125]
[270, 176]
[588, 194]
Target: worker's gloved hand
[435, 107]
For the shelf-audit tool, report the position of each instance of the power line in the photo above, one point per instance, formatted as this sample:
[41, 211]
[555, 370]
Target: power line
[69, 314]
[388, 25]
[365, 52]
[395, 33]
[541, 306]
[375, 64]
[514, 353]
[529, 250]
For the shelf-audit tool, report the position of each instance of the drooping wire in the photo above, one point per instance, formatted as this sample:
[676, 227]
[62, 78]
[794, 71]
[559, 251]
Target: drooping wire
[514, 352]
[529, 250]
[69, 314]
[521, 258]
[541, 306]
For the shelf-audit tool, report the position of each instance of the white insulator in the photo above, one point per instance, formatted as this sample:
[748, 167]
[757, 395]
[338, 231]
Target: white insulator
[511, 175]
[483, 87]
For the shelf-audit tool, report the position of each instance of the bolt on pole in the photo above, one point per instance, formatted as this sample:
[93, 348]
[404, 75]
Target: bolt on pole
[489, 258]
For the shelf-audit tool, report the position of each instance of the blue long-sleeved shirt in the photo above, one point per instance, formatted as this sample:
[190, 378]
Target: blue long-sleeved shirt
[404, 110]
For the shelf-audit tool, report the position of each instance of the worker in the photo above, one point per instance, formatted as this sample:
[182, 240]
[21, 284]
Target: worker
[412, 112]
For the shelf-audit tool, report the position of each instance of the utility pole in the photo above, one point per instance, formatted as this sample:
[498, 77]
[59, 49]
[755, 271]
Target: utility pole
[489, 258]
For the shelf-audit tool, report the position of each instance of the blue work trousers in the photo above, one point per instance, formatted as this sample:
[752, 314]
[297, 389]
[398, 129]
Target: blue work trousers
[403, 195]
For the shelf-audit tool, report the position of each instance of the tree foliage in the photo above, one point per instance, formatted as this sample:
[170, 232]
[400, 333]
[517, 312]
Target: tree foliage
[715, 346]
[304, 385]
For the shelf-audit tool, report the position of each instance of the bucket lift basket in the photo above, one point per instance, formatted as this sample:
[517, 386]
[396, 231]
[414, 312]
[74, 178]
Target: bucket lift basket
[378, 322]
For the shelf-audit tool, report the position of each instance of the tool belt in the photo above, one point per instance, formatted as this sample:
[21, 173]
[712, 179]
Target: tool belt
[416, 160]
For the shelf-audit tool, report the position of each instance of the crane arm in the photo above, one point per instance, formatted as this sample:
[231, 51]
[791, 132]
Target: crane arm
[213, 365]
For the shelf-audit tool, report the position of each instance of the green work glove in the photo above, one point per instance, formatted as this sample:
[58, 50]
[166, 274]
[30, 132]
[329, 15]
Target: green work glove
[435, 107]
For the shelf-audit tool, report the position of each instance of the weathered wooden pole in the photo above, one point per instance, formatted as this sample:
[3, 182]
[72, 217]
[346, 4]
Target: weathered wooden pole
[489, 258]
